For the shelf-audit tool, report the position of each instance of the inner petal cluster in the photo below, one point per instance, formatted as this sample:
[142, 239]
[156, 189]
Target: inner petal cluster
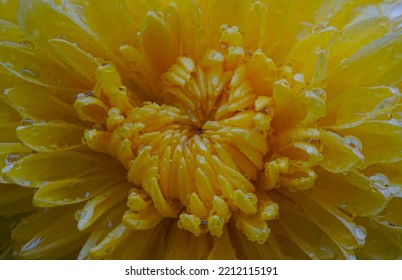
[196, 152]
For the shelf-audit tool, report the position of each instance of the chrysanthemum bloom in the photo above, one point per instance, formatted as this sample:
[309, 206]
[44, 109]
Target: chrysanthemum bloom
[201, 129]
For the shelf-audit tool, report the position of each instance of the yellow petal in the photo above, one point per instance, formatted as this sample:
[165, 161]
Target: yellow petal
[52, 242]
[375, 64]
[332, 221]
[39, 168]
[14, 199]
[370, 101]
[101, 203]
[353, 193]
[73, 190]
[8, 10]
[381, 140]
[59, 136]
[383, 241]
[39, 105]
[74, 57]
[356, 35]
[57, 19]
[11, 32]
[338, 155]
[22, 62]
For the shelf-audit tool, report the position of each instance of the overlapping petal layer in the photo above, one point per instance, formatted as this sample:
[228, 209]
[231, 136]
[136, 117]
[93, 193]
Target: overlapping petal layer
[201, 129]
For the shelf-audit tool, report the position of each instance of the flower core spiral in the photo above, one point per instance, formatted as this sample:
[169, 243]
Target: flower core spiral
[195, 152]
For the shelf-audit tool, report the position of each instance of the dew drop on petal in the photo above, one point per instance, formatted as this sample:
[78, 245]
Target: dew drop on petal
[81, 95]
[379, 180]
[26, 121]
[12, 157]
[320, 92]
[27, 43]
[32, 243]
[353, 142]
[360, 233]
[97, 127]
[61, 37]
[79, 214]
[318, 28]
[325, 252]
[28, 73]
[299, 77]
[8, 64]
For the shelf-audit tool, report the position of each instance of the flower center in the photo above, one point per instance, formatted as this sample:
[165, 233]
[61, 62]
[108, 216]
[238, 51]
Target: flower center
[195, 153]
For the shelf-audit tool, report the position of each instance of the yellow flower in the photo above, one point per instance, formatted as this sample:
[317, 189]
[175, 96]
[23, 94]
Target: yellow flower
[210, 129]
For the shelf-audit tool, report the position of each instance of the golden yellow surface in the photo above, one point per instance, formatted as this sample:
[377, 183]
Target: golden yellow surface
[209, 129]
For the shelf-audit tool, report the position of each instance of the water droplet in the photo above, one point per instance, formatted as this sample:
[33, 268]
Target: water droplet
[6, 91]
[87, 194]
[81, 95]
[27, 44]
[12, 157]
[318, 27]
[109, 223]
[114, 112]
[360, 233]
[84, 141]
[325, 252]
[353, 142]
[97, 127]
[61, 37]
[299, 77]
[26, 121]
[379, 180]
[79, 214]
[204, 222]
[28, 73]
[320, 92]
[8, 64]
[32, 243]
